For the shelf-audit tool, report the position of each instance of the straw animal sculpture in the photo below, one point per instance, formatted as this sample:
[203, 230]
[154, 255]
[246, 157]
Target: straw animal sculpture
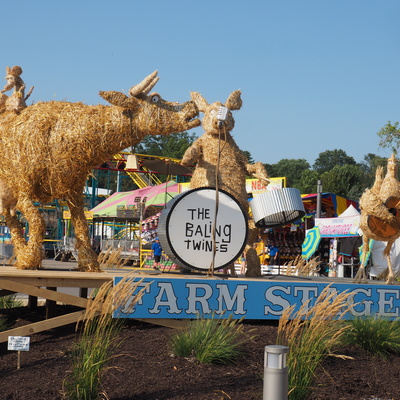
[380, 216]
[217, 156]
[51, 147]
[17, 101]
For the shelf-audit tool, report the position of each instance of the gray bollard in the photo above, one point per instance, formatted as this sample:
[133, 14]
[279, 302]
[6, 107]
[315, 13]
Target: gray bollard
[276, 381]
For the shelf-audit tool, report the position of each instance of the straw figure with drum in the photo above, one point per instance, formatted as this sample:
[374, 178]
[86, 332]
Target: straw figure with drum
[380, 216]
[220, 163]
[49, 148]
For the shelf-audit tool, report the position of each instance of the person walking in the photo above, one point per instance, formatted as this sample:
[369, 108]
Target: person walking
[157, 251]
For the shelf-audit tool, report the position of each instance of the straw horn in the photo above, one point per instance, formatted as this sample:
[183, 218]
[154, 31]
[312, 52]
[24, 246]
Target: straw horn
[145, 86]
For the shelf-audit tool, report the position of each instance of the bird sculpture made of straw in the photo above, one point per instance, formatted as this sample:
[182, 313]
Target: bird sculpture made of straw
[220, 163]
[380, 216]
[49, 149]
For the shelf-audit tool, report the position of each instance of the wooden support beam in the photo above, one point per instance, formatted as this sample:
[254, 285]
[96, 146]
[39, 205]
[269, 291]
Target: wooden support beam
[41, 326]
[44, 293]
[32, 302]
[6, 293]
[51, 305]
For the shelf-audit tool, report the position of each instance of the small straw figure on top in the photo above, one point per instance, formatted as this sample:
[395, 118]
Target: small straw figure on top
[17, 101]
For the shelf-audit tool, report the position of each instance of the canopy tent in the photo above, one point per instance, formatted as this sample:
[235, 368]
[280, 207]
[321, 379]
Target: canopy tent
[345, 227]
[339, 203]
[152, 196]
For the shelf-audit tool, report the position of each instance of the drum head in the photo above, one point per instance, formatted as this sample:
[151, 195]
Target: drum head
[202, 227]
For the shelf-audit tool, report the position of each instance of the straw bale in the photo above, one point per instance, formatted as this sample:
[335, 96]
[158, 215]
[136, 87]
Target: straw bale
[51, 147]
[220, 163]
[3, 99]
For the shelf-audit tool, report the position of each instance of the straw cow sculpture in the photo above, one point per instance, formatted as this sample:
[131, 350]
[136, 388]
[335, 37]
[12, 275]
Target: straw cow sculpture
[49, 148]
[380, 216]
[220, 162]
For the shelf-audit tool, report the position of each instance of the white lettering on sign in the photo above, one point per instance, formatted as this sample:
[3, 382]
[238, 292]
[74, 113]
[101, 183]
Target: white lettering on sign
[364, 305]
[166, 298]
[227, 302]
[386, 302]
[257, 300]
[275, 299]
[199, 294]
[19, 343]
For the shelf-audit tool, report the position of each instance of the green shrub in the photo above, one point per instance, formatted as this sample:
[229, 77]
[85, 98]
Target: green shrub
[378, 336]
[210, 340]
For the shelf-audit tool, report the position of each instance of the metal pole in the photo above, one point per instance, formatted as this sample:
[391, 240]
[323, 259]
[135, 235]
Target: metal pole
[276, 380]
[319, 198]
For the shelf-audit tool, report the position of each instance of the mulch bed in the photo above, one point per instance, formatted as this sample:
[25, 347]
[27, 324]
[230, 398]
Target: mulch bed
[144, 368]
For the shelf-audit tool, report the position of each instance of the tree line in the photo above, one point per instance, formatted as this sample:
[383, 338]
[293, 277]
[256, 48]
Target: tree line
[338, 172]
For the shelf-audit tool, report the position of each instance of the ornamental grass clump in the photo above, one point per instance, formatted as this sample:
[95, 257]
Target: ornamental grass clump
[311, 333]
[210, 340]
[377, 335]
[99, 339]
[10, 301]
[111, 258]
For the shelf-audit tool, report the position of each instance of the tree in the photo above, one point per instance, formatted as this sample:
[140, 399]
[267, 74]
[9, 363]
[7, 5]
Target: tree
[390, 136]
[328, 159]
[344, 180]
[369, 166]
[248, 155]
[371, 162]
[173, 146]
[291, 168]
[308, 181]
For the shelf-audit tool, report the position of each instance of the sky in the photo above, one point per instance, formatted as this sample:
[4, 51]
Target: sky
[315, 75]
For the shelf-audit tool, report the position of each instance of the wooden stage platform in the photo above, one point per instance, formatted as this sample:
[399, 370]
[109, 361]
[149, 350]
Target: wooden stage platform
[175, 298]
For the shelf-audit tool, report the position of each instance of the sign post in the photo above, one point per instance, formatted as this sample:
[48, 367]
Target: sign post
[18, 343]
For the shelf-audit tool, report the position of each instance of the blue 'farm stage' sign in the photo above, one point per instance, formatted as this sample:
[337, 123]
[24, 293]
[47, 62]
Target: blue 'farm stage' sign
[263, 299]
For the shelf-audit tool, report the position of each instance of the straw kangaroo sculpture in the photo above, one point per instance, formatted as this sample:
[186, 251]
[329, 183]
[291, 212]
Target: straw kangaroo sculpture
[51, 147]
[380, 216]
[217, 156]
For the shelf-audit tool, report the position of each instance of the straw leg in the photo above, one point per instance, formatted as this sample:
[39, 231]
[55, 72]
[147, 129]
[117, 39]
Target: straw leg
[17, 237]
[87, 258]
[31, 257]
[361, 276]
[391, 280]
[253, 261]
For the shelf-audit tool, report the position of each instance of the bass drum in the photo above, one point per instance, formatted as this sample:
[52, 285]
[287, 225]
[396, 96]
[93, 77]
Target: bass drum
[201, 228]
